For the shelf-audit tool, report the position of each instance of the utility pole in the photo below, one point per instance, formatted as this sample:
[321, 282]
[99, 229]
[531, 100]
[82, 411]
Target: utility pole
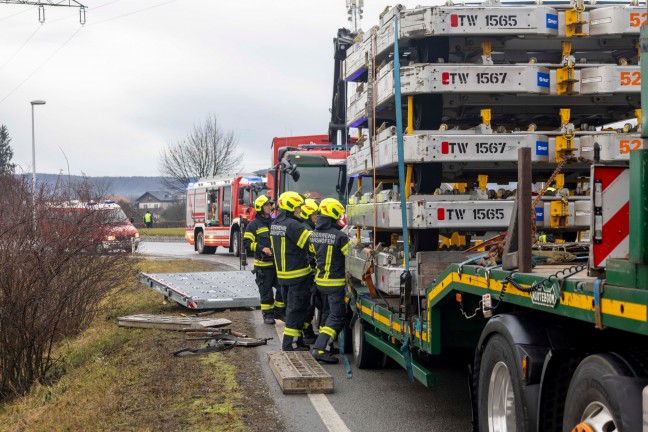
[41, 7]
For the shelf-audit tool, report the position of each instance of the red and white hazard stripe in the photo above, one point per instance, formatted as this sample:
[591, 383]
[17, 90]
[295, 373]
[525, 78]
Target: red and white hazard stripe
[610, 229]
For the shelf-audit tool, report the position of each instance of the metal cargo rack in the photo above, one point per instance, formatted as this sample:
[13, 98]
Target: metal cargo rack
[206, 290]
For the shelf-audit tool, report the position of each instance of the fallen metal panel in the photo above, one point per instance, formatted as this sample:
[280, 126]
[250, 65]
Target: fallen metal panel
[164, 322]
[206, 290]
[298, 372]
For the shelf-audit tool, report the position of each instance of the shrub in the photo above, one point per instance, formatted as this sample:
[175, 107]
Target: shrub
[52, 280]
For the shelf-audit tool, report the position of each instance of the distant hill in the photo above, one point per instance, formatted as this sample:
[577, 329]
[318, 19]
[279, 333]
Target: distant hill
[130, 188]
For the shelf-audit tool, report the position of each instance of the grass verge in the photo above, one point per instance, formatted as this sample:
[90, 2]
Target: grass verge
[166, 232]
[112, 378]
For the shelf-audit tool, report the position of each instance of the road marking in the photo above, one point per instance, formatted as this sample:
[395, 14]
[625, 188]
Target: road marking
[321, 403]
[327, 413]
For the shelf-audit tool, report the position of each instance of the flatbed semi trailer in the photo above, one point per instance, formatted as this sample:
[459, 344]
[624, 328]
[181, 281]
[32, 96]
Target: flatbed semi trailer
[555, 338]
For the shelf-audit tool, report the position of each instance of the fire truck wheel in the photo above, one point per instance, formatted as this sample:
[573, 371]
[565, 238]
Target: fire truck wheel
[236, 243]
[365, 356]
[500, 391]
[594, 402]
[200, 245]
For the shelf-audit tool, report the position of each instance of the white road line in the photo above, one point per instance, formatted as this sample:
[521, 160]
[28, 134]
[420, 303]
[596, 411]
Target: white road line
[322, 405]
[329, 416]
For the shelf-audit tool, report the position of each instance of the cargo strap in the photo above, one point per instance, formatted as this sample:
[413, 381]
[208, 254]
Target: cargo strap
[347, 365]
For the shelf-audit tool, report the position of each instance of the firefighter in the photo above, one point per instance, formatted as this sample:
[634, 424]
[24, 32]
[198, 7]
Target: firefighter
[289, 240]
[257, 240]
[331, 246]
[309, 217]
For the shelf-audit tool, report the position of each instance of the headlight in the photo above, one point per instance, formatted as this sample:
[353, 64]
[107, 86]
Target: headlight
[110, 238]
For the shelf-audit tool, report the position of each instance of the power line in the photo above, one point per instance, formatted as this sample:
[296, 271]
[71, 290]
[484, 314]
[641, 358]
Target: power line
[20, 49]
[132, 13]
[41, 65]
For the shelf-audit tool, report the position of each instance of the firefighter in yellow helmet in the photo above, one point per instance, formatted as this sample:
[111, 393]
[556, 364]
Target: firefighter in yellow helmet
[257, 239]
[309, 217]
[331, 247]
[289, 240]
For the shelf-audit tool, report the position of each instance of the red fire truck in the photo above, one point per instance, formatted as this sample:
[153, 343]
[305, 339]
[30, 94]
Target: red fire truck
[216, 209]
[310, 165]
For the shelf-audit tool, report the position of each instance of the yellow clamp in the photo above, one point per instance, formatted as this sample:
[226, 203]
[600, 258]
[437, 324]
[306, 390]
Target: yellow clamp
[565, 76]
[486, 48]
[638, 115]
[483, 181]
[486, 116]
[574, 20]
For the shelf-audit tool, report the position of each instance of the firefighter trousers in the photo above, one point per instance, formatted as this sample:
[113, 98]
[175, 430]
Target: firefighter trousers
[298, 298]
[266, 280]
[312, 305]
[333, 315]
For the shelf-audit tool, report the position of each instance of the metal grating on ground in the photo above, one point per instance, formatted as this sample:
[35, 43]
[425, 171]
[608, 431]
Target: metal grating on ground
[206, 290]
[298, 372]
[164, 322]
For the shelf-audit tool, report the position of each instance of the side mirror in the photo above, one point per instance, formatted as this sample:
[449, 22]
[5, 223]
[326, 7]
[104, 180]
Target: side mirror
[295, 175]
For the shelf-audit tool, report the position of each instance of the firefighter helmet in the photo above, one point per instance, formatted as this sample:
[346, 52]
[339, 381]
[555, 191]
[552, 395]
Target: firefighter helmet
[261, 201]
[308, 208]
[289, 201]
[332, 208]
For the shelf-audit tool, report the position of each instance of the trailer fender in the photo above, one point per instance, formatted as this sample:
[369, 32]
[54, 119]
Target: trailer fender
[529, 340]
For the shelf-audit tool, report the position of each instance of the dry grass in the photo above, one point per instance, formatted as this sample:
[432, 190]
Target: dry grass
[112, 378]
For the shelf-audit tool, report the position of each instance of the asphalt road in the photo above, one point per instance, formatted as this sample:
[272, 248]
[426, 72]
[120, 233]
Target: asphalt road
[373, 400]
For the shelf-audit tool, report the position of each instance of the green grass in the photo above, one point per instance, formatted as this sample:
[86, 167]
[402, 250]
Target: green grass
[169, 232]
[112, 378]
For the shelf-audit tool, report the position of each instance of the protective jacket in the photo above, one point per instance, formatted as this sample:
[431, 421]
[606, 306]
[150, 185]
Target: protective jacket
[331, 246]
[289, 240]
[257, 237]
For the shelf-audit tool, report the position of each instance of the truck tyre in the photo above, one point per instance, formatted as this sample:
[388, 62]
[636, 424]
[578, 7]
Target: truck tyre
[235, 241]
[200, 244]
[365, 356]
[593, 402]
[501, 408]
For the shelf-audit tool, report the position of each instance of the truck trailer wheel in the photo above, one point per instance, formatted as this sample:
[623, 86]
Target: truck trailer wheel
[593, 403]
[365, 356]
[501, 408]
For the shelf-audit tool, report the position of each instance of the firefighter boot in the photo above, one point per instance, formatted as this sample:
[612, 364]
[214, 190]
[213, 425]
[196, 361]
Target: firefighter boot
[309, 335]
[280, 314]
[268, 318]
[324, 357]
[288, 345]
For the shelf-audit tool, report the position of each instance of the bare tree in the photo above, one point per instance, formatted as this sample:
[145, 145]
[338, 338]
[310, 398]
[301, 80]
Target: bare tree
[208, 150]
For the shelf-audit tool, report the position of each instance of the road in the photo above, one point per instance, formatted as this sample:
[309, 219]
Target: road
[380, 400]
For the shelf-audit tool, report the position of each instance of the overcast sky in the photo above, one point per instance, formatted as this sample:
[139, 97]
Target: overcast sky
[140, 73]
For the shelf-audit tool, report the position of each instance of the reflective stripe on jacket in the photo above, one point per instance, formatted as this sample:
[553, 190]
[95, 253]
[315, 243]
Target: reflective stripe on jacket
[257, 237]
[289, 241]
[331, 246]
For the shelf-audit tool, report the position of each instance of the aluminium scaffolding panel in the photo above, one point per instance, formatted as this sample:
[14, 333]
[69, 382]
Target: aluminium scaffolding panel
[206, 290]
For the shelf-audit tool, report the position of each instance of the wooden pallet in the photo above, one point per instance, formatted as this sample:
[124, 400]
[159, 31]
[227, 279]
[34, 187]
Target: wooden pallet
[178, 323]
[298, 372]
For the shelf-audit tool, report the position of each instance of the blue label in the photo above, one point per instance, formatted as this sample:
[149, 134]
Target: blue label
[542, 148]
[539, 211]
[552, 21]
[543, 79]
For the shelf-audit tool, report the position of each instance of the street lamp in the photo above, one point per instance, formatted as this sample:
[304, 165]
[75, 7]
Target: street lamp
[34, 102]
